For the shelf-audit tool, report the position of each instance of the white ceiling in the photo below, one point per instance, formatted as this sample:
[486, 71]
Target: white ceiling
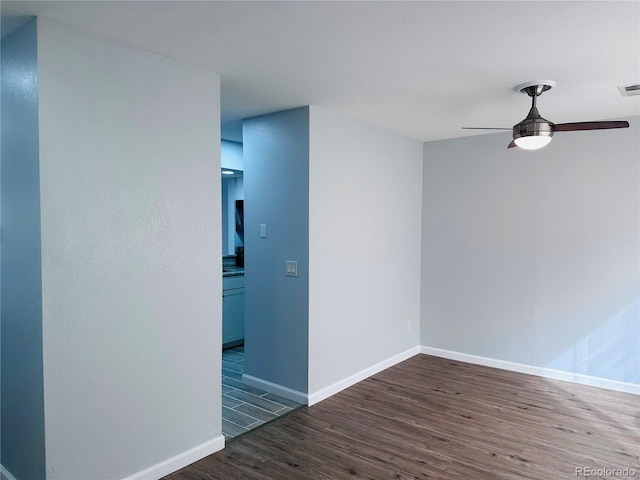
[422, 69]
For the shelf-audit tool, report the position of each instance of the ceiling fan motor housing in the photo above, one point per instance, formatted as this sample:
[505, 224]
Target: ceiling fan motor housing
[533, 126]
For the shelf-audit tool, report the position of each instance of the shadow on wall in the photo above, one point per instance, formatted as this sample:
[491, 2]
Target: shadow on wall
[533, 259]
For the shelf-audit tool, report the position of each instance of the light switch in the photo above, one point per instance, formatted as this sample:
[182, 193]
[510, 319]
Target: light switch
[291, 268]
[263, 230]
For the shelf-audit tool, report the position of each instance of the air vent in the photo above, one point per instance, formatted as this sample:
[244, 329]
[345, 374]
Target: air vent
[628, 90]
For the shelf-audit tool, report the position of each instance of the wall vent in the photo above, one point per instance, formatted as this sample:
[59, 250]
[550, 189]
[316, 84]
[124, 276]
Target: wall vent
[628, 90]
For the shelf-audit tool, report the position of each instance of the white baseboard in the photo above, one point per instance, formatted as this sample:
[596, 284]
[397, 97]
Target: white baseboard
[326, 392]
[179, 461]
[6, 474]
[270, 387]
[533, 370]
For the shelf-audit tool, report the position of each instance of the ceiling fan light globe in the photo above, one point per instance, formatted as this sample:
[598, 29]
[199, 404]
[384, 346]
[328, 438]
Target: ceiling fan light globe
[534, 132]
[533, 142]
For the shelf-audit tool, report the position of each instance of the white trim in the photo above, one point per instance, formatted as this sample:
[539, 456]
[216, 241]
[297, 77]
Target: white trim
[271, 387]
[326, 392]
[5, 474]
[533, 370]
[159, 470]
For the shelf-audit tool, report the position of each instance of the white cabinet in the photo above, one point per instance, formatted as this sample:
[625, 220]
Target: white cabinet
[232, 309]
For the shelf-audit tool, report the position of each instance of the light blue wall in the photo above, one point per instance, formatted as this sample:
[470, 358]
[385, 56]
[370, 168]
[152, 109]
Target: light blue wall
[532, 257]
[22, 378]
[231, 155]
[276, 161]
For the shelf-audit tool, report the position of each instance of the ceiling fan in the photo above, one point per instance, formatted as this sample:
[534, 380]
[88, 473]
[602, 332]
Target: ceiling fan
[535, 132]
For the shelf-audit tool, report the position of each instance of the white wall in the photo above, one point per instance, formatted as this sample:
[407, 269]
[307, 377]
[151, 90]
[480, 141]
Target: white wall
[22, 434]
[365, 188]
[131, 241]
[533, 257]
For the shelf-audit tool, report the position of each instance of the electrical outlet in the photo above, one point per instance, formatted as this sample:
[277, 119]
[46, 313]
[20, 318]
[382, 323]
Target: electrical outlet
[409, 326]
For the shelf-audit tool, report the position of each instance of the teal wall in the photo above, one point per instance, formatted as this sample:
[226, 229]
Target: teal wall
[22, 452]
[276, 176]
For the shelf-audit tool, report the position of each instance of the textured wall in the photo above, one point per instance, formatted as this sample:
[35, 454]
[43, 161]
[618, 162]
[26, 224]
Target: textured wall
[131, 241]
[532, 257]
[276, 189]
[22, 432]
[364, 229]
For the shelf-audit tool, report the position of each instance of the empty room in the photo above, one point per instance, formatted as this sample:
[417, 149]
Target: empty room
[320, 240]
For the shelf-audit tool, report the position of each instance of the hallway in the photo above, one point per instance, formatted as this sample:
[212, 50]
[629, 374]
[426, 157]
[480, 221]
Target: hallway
[245, 408]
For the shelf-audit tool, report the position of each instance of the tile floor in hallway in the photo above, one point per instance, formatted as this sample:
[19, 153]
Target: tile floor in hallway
[243, 407]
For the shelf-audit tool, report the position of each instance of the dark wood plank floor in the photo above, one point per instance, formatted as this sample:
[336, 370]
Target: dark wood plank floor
[432, 418]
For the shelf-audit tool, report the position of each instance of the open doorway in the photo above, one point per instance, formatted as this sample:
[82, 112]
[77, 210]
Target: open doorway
[244, 407]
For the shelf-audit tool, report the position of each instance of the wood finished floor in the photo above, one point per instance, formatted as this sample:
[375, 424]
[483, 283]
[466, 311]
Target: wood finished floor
[432, 418]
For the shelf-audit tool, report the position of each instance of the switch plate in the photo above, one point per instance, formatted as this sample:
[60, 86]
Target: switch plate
[263, 230]
[291, 267]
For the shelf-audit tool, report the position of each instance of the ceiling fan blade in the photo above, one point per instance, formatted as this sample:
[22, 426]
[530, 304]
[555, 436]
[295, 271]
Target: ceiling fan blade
[486, 128]
[512, 144]
[572, 127]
